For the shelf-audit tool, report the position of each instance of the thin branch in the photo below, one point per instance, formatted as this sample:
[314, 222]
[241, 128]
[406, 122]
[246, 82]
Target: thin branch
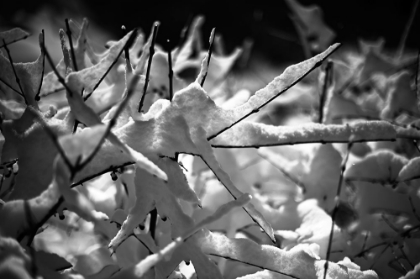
[52, 136]
[397, 259]
[327, 78]
[389, 223]
[31, 223]
[278, 166]
[299, 142]
[73, 56]
[401, 46]
[59, 77]
[405, 256]
[128, 43]
[37, 98]
[337, 202]
[318, 62]
[110, 169]
[170, 73]
[209, 52]
[251, 264]
[126, 51]
[8, 85]
[417, 79]
[153, 220]
[149, 64]
[14, 41]
[230, 192]
[14, 71]
[380, 254]
[183, 35]
[413, 208]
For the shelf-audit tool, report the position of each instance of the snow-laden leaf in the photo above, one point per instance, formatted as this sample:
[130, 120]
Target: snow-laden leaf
[81, 48]
[14, 261]
[12, 35]
[315, 228]
[410, 171]
[400, 97]
[372, 178]
[93, 262]
[296, 263]
[321, 181]
[27, 140]
[86, 79]
[309, 20]
[86, 115]
[375, 61]
[29, 75]
[78, 147]
[75, 200]
[192, 43]
[142, 267]
[248, 134]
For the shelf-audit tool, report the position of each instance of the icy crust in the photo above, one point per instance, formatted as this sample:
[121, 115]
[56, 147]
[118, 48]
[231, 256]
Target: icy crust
[249, 134]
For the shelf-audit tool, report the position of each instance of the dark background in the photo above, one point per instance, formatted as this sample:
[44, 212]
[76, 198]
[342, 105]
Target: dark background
[266, 22]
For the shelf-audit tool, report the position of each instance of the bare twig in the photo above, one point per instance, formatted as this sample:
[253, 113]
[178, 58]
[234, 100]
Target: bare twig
[149, 65]
[73, 56]
[8, 85]
[128, 43]
[209, 52]
[337, 202]
[14, 71]
[401, 46]
[14, 41]
[37, 98]
[327, 78]
[170, 73]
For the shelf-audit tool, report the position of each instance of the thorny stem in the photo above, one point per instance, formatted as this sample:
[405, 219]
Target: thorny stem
[401, 46]
[73, 56]
[14, 71]
[337, 202]
[328, 76]
[209, 52]
[37, 98]
[170, 73]
[128, 43]
[149, 64]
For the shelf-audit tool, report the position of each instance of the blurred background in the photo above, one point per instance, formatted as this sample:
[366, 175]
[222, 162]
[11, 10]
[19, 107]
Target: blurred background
[267, 23]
